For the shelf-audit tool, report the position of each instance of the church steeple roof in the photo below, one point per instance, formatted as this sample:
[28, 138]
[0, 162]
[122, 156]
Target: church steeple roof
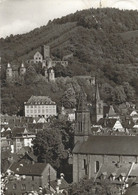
[97, 95]
[82, 103]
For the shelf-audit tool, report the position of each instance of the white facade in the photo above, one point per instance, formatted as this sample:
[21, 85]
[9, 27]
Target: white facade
[118, 126]
[40, 110]
[38, 57]
[22, 141]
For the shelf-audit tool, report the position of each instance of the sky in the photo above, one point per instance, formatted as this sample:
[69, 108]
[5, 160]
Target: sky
[21, 16]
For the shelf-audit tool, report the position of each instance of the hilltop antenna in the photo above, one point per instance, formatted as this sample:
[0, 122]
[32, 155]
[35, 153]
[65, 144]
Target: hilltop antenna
[100, 4]
[94, 17]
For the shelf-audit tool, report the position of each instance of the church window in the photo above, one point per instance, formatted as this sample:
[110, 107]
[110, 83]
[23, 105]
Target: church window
[97, 166]
[84, 166]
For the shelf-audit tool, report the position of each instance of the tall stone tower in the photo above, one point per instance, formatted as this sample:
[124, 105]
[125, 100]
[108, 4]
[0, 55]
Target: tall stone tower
[9, 74]
[46, 52]
[51, 74]
[82, 120]
[22, 70]
[98, 105]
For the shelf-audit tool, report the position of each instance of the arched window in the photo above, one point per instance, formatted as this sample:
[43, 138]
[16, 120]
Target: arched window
[97, 166]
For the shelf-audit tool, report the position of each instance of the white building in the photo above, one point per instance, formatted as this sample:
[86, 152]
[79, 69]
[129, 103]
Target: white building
[41, 106]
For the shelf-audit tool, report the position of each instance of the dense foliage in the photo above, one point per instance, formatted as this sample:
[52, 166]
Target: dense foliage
[88, 187]
[53, 144]
[107, 49]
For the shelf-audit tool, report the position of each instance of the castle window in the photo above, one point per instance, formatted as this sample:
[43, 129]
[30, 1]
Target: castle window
[97, 166]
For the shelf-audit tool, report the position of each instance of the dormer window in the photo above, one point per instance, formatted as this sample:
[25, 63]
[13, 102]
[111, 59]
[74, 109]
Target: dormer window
[122, 177]
[104, 175]
[112, 176]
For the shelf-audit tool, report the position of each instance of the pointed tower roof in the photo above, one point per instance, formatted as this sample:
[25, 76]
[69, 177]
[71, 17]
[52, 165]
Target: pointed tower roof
[111, 111]
[22, 65]
[97, 95]
[8, 65]
[82, 105]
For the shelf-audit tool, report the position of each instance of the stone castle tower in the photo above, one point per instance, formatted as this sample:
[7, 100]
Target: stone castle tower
[45, 51]
[82, 118]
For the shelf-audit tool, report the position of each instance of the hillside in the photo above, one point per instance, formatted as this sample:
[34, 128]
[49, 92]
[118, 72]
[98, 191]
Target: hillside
[107, 48]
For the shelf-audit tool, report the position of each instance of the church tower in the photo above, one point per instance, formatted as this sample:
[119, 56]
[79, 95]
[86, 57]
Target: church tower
[82, 120]
[9, 73]
[98, 105]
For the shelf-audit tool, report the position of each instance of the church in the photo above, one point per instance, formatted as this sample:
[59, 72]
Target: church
[92, 152]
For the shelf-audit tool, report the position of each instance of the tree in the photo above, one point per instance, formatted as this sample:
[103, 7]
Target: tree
[118, 95]
[48, 147]
[69, 98]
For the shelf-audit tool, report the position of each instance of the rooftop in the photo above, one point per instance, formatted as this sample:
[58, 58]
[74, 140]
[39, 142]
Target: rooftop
[108, 145]
[40, 100]
[28, 169]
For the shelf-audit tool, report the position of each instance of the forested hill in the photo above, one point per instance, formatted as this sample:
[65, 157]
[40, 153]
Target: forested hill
[107, 48]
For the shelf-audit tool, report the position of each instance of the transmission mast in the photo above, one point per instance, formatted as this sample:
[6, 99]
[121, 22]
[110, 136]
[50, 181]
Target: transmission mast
[100, 4]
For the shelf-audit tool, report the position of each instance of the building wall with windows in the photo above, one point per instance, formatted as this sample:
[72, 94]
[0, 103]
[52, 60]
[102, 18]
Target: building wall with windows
[91, 155]
[31, 181]
[40, 107]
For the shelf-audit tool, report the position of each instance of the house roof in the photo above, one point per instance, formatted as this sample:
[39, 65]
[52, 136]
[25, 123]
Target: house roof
[104, 122]
[108, 145]
[134, 172]
[39, 100]
[114, 169]
[111, 112]
[28, 169]
[20, 131]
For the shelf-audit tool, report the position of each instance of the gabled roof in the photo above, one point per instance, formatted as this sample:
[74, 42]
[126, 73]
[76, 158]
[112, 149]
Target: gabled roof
[108, 145]
[29, 169]
[114, 169]
[104, 122]
[111, 112]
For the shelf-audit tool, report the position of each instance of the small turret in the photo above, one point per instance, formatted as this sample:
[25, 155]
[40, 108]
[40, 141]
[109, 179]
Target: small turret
[51, 75]
[22, 69]
[9, 73]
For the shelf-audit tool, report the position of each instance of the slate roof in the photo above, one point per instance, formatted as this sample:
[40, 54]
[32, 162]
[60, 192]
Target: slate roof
[41, 100]
[107, 122]
[114, 169]
[134, 172]
[28, 169]
[108, 145]
[20, 131]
